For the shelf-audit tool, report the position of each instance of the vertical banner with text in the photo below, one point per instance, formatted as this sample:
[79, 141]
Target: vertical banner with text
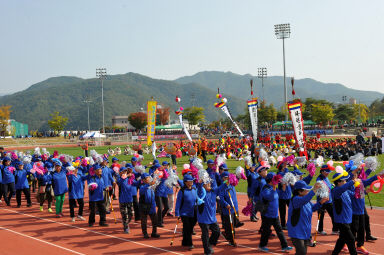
[252, 108]
[151, 121]
[295, 112]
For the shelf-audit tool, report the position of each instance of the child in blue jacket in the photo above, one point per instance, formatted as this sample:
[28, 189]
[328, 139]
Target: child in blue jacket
[96, 196]
[60, 186]
[21, 184]
[76, 180]
[8, 180]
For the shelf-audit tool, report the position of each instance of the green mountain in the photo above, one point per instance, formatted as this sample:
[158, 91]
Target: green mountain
[123, 94]
[238, 85]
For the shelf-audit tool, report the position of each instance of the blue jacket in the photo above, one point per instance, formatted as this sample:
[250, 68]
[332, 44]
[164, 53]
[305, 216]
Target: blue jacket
[287, 193]
[8, 177]
[137, 182]
[225, 199]
[251, 178]
[125, 190]
[358, 204]
[107, 176]
[161, 189]
[97, 194]
[185, 202]
[21, 179]
[329, 185]
[270, 195]
[303, 228]
[208, 216]
[83, 169]
[149, 196]
[59, 182]
[308, 179]
[256, 188]
[213, 175]
[345, 195]
[76, 185]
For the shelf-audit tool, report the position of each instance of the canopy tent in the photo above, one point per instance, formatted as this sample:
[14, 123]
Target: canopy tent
[169, 127]
[95, 134]
[281, 123]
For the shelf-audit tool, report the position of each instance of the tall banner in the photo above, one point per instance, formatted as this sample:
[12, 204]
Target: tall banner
[295, 112]
[225, 109]
[151, 121]
[252, 108]
[184, 128]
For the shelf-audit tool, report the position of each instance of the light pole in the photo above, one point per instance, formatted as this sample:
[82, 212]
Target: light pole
[88, 101]
[262, 73]
[283, 31]
[101, 73]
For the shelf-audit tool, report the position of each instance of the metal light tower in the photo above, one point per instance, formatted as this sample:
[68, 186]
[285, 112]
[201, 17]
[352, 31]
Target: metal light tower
[101, 73]
[262, 73]
[88, 101]
[283, 31]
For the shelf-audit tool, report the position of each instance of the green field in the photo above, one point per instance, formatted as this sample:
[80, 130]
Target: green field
[376, 199]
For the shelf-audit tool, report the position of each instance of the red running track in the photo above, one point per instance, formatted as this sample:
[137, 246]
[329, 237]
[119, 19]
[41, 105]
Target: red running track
[29, 231]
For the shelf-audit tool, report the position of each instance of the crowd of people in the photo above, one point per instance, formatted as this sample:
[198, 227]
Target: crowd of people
[282, 199]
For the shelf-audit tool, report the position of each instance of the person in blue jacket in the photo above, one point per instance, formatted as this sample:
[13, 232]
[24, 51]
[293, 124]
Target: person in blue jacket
[206, 216]
[212, 172]
[135, 202]
[300, 215]
[285, 193]
[60, 186]
[162, 197]
[328, 206]
[257, 186]
[358, 211]
[252, 177]
[342, 211]
[186, 209]
[96, 196]
[21, 184]
[147, 206]
[270, 215]
[8, 181]
[107, 174]
[45, 187]
[76, 180]
[125, 182]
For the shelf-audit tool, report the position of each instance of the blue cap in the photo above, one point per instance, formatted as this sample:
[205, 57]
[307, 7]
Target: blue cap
[129, 165]
[155, 161]
[301, 185]
[133, 159]
[96, 166]
[115, 159]
[145, 175]
[325, 168]
[58, 163]
[123, 169]
[297, 172]
[48, 164]
[165, 163]
[156, 165]
[353, 168]
[254, 165]
[270, 176]
[210, 161]
[6, 159]
[224, 174]
[223, 166]
[260, 168]
[188, 177]
[17, 163]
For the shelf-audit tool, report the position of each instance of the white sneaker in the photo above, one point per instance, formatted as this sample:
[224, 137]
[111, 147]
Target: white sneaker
[323, 233]
[80, 217]
[73, 219]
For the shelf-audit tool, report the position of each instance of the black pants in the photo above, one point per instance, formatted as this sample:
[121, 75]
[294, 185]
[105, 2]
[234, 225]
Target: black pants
[72, 205]
[204, 155]
[8, 188]
[162, 208]
[266, 224]
[209, 240]
[283, 205]
[101, 209]
[136, 208]
[173, 157]
[358, 229]
[228, 228]
[345, 237]
[367, 224]
[329, 209]
[300, 246]
[144, 216]
[1, 190]
[126, 213]
[27, 195]
[188, 224]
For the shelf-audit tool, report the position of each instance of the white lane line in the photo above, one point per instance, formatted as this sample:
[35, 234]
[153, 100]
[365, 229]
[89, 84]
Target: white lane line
[36, 239]
[95, 232]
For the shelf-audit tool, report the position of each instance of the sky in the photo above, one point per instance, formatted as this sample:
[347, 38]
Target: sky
[331, 41]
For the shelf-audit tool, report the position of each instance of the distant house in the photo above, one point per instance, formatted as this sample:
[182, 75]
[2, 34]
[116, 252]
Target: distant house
[121, 121]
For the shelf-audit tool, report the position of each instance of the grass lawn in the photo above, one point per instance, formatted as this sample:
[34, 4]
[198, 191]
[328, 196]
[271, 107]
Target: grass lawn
[376, 199]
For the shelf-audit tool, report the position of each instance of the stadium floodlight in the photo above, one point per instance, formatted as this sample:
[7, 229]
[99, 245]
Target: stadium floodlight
[283, 31]
[262, 74]
[101, 74]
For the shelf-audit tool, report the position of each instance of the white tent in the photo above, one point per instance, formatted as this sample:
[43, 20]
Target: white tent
[95, 134]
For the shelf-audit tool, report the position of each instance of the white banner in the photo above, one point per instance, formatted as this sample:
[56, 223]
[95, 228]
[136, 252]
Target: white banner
[252, 108]
[184, 128]
[297, 123]
[226, 111]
